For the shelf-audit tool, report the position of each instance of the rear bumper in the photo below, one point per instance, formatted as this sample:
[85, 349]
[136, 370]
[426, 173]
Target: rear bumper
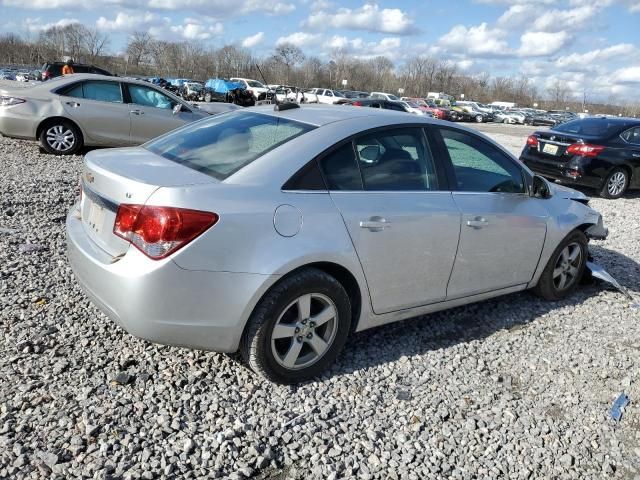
[16, 125]
[160, 302]
[559, 171]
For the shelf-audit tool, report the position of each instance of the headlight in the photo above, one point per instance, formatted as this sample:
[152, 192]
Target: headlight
[9, 101]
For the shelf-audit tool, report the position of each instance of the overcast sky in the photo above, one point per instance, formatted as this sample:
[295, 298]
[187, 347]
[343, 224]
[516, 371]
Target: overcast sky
[594, 45]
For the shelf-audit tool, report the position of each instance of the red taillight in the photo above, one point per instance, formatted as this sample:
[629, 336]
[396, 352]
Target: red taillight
[357, 104]
[584, 149]
[532, 141]
[159, 231]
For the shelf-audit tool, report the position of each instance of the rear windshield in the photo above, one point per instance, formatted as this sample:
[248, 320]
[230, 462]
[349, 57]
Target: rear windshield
[222, 145]
[601, 127]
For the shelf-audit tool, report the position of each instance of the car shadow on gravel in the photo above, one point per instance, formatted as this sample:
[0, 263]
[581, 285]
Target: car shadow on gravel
[477, 321]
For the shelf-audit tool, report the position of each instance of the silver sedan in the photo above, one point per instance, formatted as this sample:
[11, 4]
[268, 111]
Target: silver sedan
[278, 232]
[84, 109]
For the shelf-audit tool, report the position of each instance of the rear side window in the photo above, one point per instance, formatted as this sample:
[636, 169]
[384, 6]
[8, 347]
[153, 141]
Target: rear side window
[340, 169]
[221, 145]
[396, 160]
[632, 136]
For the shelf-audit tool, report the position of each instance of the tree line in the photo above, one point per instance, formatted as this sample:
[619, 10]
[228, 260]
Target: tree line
[288, 64]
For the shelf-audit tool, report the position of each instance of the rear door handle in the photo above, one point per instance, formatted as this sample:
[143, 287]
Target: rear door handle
[137, 112]
[73, 104]
[375, 224]
[477, 222]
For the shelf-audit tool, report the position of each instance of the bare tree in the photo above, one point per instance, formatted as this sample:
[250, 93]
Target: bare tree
[559, 93]
[290, 55]
[139, 47]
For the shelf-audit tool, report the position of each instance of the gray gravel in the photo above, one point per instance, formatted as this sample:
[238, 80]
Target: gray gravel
[510, 388]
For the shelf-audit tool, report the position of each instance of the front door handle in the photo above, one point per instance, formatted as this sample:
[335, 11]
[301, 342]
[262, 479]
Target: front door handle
[73, 104]
[477, 222]
[375, 224]
[137, 112]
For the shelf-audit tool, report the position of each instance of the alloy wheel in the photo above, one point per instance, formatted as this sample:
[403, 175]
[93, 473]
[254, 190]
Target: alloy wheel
[616, 183]
[305, 331]
[567, 267]
[60, 138]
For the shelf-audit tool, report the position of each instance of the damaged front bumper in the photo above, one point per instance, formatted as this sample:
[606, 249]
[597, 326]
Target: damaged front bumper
[597, 231]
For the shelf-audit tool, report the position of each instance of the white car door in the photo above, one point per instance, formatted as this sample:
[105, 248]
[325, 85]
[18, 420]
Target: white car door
[503, 229]
[403, 223]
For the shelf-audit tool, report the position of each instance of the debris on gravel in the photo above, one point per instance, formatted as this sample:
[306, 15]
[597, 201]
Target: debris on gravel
[514, 387]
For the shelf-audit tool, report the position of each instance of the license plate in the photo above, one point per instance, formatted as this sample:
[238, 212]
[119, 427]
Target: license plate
[95, 216]
[550, 149]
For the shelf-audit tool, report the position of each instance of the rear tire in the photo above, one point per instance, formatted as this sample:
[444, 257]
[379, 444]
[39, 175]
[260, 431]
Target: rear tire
[207, 97]
[61, 137]
[479, 118]
[616, 184]
[298, 328]
[564, 269]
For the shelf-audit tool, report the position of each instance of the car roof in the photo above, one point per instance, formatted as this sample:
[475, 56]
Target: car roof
[321, 114]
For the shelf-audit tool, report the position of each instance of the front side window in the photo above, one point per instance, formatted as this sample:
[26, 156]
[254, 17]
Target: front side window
[149, 97]
[99, 91]
[480, 167]
[221, 145]
[397, 160]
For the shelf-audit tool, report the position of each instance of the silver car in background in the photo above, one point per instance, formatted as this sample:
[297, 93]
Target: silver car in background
[278, 232]
[68, 112]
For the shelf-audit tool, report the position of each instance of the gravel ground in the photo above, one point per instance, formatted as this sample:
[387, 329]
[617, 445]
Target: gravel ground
[510, 388]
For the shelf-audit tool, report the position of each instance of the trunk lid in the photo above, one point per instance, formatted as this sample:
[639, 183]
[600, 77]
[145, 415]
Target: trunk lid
[553, 145]
[125, 175]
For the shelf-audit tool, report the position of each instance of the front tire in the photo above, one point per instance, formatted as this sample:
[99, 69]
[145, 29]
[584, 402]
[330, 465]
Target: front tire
[479, 119]
[298, 328]
[565, 268]
[61, 137]
[615, 184]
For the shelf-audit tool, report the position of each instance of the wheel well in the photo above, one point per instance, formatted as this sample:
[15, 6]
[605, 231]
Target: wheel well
[628, 169]
[48, 121]
[350, 284]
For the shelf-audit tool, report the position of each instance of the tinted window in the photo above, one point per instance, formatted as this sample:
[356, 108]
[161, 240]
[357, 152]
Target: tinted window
[223, 144]
[480, 167]
[632, 136]
[100, 91]
[591, 126]
[149, 97]
[396, 160]
[341, 170]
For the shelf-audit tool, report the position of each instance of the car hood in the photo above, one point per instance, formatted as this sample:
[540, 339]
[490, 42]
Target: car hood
[568, 193]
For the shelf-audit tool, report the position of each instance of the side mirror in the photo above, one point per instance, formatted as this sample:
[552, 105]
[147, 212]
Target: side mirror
[540, 188]
[177, 109]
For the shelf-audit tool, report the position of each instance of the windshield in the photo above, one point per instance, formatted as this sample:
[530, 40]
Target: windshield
[413, 104]
[255, 84]
[338, 94]
[222, 145]
[392, 97]
[195, 86]
[602, 127]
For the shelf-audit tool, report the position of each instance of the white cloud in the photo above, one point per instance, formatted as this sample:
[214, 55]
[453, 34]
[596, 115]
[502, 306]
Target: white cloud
[369, 17]
[595, 58]
[193, 30]
[559, 20]
[253, 40]
[300, 39]
[626, 75]
[540, 44]
[128, 22]
[36, 24]
[478, 41]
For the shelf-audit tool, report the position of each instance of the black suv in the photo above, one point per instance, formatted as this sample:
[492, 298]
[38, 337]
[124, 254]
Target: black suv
[596, 152]
[54, 69]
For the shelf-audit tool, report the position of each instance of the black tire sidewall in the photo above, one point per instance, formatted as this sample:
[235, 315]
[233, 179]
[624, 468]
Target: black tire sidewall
[76, 132]
[604, 192]
[545, 287]
[256, 343]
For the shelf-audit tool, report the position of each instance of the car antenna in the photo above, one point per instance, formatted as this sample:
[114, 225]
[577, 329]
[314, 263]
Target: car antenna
[279, 106]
